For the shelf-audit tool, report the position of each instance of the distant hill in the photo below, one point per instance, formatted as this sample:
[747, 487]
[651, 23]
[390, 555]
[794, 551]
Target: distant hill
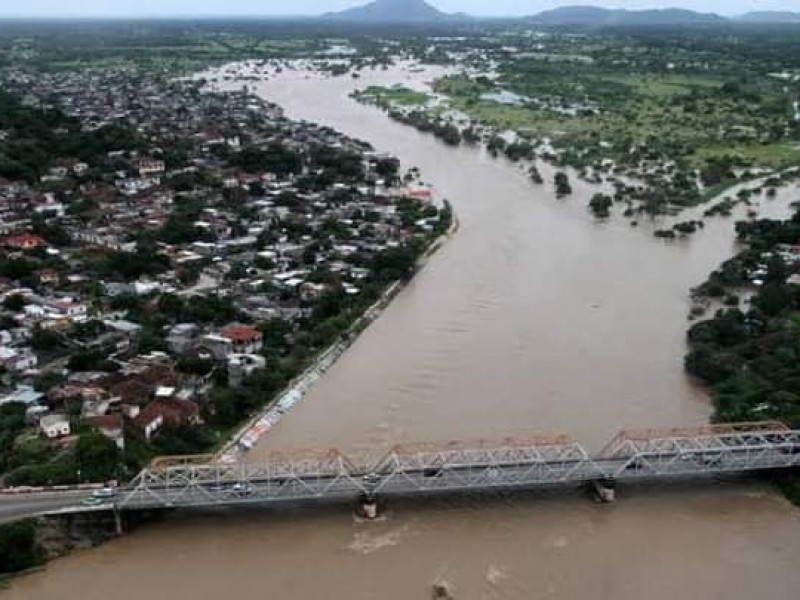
[591, 16]
[421, 11]
[393, 11]
[770, 16]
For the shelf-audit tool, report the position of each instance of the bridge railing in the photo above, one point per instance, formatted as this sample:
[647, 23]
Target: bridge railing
[712, 449]
[475, 465]
[627, 440]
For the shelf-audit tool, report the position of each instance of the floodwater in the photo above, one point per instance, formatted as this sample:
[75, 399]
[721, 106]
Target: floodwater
[533, 318]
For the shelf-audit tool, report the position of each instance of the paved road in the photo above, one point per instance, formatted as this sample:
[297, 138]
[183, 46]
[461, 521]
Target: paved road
[16, 506]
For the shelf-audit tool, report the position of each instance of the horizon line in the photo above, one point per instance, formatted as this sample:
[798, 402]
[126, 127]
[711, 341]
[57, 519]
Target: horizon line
[307, 16]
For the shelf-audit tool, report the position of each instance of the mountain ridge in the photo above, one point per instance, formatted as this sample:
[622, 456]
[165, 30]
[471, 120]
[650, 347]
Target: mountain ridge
[769, 16]
[421, 11]
[604, 17]
[399, 11]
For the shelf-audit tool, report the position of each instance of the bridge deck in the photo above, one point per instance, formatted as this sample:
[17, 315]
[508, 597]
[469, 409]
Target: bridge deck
[476, 466]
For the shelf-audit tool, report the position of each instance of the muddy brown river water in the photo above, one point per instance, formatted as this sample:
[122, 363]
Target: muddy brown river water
[533, 318]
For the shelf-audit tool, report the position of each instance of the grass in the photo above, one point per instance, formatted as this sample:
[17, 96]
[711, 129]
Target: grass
[658, 86]
[398, 96]
[717, 190]
[762, 155]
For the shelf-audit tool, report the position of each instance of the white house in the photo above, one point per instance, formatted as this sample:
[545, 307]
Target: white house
[243, 338]
[241, 366]
[54, 426]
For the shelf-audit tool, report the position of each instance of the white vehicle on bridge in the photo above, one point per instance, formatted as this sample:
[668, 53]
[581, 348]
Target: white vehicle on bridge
[242, 489]
[104, 493]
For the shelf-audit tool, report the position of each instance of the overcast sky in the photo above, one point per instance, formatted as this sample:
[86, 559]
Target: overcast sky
[147, 8]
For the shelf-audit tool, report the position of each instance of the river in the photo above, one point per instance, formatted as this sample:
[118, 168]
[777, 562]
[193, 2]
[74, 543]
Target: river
[533, 318]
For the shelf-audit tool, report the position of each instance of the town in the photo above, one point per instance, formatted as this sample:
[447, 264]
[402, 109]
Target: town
[163, 245]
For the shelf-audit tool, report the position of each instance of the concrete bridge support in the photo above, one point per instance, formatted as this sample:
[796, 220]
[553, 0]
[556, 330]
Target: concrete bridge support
[368, 507]
[605, 489]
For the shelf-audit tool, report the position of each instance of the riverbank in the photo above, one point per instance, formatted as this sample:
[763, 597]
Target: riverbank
[262, 423]
[47, 540]
[28, 545]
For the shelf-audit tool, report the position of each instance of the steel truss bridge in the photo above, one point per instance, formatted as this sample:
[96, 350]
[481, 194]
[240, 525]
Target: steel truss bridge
[477, 466]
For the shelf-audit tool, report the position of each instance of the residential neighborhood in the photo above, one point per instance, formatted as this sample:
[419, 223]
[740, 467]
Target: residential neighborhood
[165, 279]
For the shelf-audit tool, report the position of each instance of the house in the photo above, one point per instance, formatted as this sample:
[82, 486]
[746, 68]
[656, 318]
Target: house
[311, 291]
[127, 328]
[24, 394]
[68, 308]
[47, 276]
[244, 339]
[148, 422]
[132, 391]
[181, 337]
[138, 388]
[241, 366]
[147, 167]
[217, 346]
[17, 359]
[111, 426]
[171, 412]
[23, 241]
[54, 426]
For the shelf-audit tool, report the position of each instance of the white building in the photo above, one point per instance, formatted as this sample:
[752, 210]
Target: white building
[54, 426]
[17, 360]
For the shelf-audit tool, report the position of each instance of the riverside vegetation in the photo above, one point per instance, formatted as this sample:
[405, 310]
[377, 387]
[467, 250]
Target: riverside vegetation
[749, 351]
[670, 118]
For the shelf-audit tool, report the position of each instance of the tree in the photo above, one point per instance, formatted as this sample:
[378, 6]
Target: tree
[563, 187]
[600, 205]
[44, 339]
[170, 306]
[12, 422]
[88, 360]
[276, 332]
[711, 366]
[224, 406]
[14, 303]
[46, 380]
[774, 298]
[274, 158]
[449, 134]
[18, 547]
[184, 439]
[96, 457]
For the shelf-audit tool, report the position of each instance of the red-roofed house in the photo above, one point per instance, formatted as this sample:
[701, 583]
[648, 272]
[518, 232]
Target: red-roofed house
[111, 426]
[420, 194]
[244, 338]
[23, 241]
[171, 412]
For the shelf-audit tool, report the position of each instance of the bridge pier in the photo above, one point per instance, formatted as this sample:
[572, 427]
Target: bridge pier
[368, 508]
[119, 526]
[605, 489]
